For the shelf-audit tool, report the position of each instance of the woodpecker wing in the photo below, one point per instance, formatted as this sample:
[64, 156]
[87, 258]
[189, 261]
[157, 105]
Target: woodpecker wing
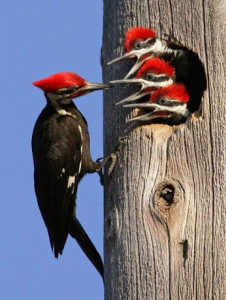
[56, 145]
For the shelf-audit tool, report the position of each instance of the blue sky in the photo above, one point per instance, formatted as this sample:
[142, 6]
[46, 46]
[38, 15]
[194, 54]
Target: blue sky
[39, 38]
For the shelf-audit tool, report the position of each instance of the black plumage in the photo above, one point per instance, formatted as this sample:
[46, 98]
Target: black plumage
[189, 70]
[60, 145]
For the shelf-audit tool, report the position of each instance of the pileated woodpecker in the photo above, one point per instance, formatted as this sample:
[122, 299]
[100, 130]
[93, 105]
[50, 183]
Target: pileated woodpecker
[142, 44]
[61, 153]
[167, 104]
[153, 74]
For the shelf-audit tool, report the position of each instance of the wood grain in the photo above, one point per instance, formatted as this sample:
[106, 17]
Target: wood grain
[155, 248]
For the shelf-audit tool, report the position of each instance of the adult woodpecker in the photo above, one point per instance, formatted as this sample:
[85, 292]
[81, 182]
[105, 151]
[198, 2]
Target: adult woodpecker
[167, 105]
[142, 44]
[61, 153]
[153, 74]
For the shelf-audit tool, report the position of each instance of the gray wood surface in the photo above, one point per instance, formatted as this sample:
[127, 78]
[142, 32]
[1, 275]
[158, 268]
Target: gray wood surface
[145, 256]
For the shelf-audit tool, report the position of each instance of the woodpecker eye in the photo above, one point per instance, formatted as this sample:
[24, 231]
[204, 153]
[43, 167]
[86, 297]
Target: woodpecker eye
[138, 45]
[66, 90]
[162, 101]
[149, 76]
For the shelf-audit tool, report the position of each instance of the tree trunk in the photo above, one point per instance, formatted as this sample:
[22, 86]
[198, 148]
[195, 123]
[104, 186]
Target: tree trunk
[164, 206]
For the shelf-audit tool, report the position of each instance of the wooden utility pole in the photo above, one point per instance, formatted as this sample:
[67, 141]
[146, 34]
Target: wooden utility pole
[165, 204]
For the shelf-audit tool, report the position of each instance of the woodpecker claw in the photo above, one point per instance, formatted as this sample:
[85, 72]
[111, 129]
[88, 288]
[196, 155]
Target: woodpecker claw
[115, 155]
[112, 158]
[102, 161]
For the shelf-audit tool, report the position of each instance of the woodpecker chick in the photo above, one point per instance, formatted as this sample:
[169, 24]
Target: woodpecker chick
[168, 105]
[189, 69]
[140, 43]
[155, 73]
[61, 154]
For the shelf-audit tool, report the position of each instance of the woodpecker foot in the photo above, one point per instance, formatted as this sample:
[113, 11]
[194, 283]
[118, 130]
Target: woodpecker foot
[113, 157]
[172, 41]
[101, 161]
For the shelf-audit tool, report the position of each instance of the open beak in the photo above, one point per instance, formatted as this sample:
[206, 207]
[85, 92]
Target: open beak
[133, 53]
[155, 112]
[135, 67]
[144, 105]
[89, 87]
[147, 88]
[130, 54]
[144, 117]
[133, 80]
[140, 55]
[132, 97]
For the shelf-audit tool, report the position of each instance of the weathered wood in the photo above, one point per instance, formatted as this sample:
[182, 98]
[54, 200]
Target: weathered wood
[145, 256]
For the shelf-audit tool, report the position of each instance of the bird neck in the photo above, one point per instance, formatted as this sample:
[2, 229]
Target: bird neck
[159, 47]
[61, 106]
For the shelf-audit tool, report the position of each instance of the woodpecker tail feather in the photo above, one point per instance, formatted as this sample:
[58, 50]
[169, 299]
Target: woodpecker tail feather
[79, 234]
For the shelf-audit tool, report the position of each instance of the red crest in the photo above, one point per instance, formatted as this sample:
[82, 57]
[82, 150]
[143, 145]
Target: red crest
[176, 91]
[137, 33]
[58, 81]
[157, 66]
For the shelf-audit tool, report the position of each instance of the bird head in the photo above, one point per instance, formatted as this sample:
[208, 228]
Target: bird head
[64, 86]
[167, 103]
[138, 37]
[153, 74]
[140, 43]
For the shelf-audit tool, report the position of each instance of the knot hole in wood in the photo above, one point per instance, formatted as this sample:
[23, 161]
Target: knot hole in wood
[167, 194]
[168, 199]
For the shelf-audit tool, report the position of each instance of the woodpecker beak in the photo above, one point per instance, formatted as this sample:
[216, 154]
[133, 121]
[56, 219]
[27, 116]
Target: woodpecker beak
[133, 53]
[149, 105]
[134, 80]
[68, 93]
[90, 87]
[157, 111]
[141, 55]
[135, 67]
[144, 117]
[130, 54]
[134, 97]
[147, 87]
